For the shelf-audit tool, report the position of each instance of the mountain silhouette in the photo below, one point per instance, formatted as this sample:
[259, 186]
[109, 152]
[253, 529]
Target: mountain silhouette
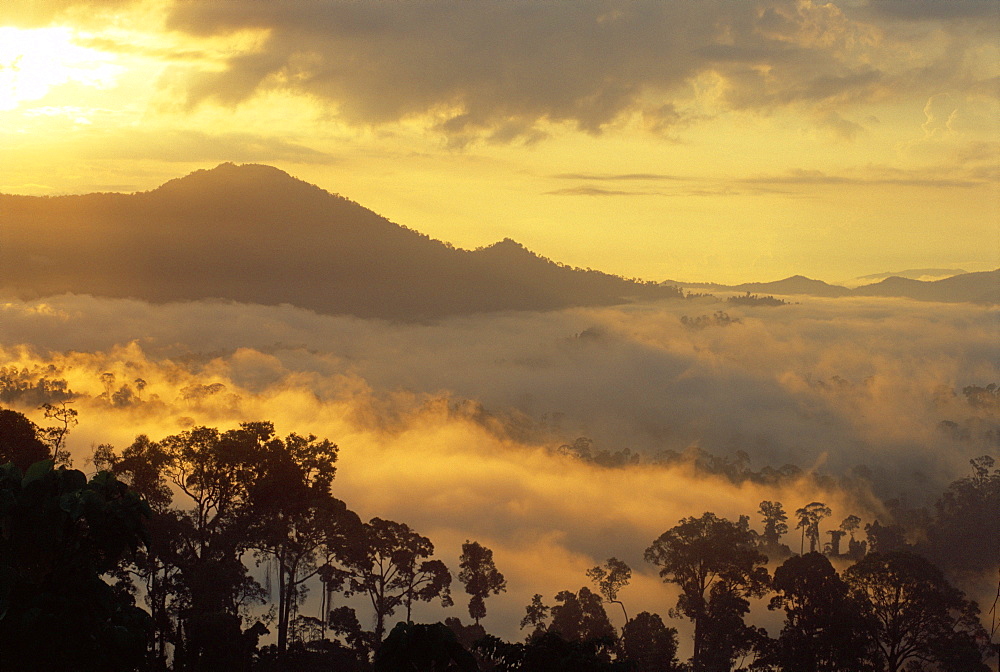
[253, 233]
[979, 287]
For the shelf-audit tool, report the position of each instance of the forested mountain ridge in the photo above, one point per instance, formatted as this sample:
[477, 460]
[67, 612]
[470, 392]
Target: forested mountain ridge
[978, 287]
[253, 233]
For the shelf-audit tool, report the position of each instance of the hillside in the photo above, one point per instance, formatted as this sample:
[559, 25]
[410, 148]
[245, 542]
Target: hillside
[253, 233]
[979, 287]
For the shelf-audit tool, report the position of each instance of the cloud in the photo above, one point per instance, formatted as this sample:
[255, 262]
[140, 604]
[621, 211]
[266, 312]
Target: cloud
[453, 426]
[597, 191]
[505, 71]
[176, 145]
[593, 177]
[874, 177]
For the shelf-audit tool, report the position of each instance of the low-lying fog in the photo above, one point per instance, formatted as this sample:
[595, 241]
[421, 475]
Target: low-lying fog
[454, 426]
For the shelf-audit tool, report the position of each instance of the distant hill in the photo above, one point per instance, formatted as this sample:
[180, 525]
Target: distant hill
[253, 233]
[981, 287]
[913, 274]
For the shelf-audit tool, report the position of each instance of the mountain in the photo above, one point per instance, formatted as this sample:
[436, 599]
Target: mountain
[913, 274]
[253, 233]
[797, 284]
[980, 287]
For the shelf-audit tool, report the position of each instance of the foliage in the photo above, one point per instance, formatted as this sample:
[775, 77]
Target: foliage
[19, 442]
[649, 645]
[917, 614]
[61, 533]
[610, 579]
[423, 648]
[480, 576]
[708, 554]
[580, 616]
[825, 629]
[809, 517]
[386, 567]
[549, 652]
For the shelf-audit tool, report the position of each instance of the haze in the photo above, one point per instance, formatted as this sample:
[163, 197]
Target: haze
[711, 141]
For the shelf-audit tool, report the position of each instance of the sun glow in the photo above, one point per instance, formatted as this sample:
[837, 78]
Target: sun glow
[33, 61]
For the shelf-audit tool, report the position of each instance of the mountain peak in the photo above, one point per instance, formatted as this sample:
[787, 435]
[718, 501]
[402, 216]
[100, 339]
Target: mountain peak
[229, 177]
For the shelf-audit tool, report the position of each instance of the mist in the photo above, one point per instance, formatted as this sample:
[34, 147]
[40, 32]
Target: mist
[457, 426]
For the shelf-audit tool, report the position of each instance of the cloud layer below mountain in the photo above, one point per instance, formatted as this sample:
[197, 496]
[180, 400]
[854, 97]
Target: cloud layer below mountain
[454, 426]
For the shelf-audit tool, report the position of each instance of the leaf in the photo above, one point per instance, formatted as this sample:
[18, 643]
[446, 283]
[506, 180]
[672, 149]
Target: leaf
[36, 471]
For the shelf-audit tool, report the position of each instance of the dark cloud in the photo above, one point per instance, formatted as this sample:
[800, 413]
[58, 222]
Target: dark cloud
[500, 70]
[934, 10]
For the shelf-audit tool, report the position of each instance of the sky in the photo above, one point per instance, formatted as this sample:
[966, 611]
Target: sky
[696, 141]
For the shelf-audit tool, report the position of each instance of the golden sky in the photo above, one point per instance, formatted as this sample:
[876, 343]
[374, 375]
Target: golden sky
[710, 140]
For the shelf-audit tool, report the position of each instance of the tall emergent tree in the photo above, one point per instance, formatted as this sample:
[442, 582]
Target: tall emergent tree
[809, 517]
[295, 522]
[775, 523]
[480, 576]
[708, 555]
[610, 579]
[390, 570]
[916, 614]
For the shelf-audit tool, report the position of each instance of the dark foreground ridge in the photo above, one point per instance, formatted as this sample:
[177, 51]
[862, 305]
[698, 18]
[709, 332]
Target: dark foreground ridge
[253, 233]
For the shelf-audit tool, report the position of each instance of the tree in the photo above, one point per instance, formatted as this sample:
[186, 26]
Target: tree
[548, 652]
[19, 442]
[480, 576]
[423, 647]
[825, 628]
[649, 645]
[580, 616]
[385, 567]
[775, 525]
[809, 517]
[61, 533]
[55, 437]
[855, 549]
[536, 615]
[966, 518]
[916, 614]
[699, 553]
[294, 521]
[611, 578]
[885, 538]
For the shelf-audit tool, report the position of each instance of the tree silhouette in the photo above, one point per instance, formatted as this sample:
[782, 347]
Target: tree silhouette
[649, 645]
[580, 616]
[385, 569]
[61, 533]
[917, 614]
[774, 519]
[19, 442]
[700, 553]
[423, 648]
[809, 517]
[611, 578]
[825, 629]
[480, 576]
[536, 615]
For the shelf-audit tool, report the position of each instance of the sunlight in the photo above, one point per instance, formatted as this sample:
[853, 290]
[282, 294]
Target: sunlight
[33, 61]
